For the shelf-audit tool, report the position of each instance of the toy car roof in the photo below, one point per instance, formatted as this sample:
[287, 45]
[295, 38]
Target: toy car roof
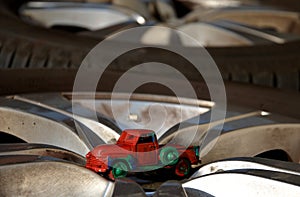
[139, 132]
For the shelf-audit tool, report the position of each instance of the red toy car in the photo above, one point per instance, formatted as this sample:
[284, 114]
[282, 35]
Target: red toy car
[138, 150]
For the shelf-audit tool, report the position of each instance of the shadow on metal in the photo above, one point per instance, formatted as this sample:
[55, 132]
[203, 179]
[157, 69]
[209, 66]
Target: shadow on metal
[41, 150]
[126, 187]
[170, 188]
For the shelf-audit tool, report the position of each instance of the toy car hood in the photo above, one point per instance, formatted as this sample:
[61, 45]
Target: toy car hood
[108, 149]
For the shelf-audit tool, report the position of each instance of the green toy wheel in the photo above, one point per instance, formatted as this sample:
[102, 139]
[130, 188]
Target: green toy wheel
[119, 169]
[169, 156]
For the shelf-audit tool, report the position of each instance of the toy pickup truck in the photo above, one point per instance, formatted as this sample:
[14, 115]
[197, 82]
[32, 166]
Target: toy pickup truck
[138, 150]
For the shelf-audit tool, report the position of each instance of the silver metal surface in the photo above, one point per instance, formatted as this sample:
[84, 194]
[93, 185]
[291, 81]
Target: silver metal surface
[88, 16]
[217, 3]
[103, 132]
[246, 163]
[36, 122]
[204, 123]
[143, 109]
[209, 35]
[272, 36]
[37, 129]
[281, 21]
[203, 34]
[166, 10]
[247, 183]
[138, 6]
[251, 141]
[51, 179]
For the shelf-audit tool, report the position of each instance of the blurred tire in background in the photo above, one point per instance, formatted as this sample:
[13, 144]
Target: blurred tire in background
[263, 51]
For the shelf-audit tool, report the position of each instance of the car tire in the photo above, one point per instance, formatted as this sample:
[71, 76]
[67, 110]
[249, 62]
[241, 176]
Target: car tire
[25, 46]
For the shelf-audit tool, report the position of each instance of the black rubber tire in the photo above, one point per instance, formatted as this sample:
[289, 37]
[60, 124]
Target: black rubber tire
[24, 46]
[179, 172]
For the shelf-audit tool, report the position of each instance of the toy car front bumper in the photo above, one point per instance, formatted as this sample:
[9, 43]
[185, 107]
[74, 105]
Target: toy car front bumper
[95, 164]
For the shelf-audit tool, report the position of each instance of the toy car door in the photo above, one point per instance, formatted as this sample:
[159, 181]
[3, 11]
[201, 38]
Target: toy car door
[147, 150]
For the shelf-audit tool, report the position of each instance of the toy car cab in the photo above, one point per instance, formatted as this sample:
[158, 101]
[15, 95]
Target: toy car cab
[138, 150]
